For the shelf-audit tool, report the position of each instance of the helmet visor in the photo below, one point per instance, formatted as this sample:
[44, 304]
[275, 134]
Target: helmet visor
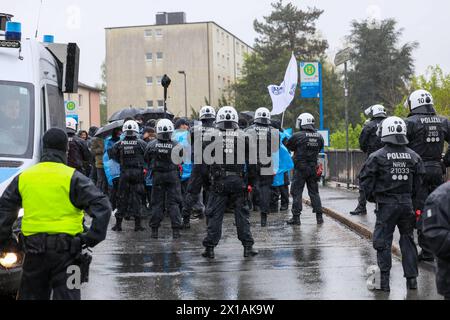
[397, 139]
[262, 121]
[165, 136]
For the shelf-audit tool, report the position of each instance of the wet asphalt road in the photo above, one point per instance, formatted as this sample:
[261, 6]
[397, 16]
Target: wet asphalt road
[308, 262]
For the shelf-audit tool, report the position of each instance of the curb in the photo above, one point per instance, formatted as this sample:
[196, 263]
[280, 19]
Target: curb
[354, 226]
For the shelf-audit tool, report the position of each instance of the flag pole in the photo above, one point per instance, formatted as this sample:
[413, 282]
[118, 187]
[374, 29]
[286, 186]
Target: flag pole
[282, 119]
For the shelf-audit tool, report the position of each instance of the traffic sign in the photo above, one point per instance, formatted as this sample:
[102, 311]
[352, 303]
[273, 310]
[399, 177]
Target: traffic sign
[343, 56]
[310, 79]
[71, 107]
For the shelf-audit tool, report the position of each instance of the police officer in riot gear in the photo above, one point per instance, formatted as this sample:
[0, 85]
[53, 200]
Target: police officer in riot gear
[54, 198]
[228, 147]
[129, 153]
[435, 231]
[79, 155]
[306, 145]
[427, 133]
[392, 178]
[166, 190]
[200, 175]
[260, 135]
[369, 142]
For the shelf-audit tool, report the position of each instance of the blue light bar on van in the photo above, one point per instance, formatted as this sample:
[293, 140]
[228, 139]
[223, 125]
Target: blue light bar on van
[49, 38]
[13, 31]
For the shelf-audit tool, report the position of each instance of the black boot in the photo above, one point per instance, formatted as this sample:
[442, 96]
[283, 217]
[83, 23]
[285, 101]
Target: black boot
[154, 233]
[263, 220]
[284, 208]
[186, 223]
[411, 283]
[176, 234]
[118, 226]
[137, 225]
[319, 218]
[426, 256]
[249, 251]
[295, 221]
[384, 283]
[208, 253]
[359, 211]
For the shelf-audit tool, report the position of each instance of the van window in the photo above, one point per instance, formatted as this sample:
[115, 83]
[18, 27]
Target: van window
[56, 109]
[16, 119]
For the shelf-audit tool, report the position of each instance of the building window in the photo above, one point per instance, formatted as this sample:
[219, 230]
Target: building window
[149, 56]
[218, 58]
[148, 33]
[160, 103]
[80, 100]
[158, 80]
[218, 35]
[159, 33]
[159, 56]
[149, 81]
[150, 103]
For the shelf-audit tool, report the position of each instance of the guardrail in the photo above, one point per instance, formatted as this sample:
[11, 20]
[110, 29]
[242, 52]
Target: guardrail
[336, 166]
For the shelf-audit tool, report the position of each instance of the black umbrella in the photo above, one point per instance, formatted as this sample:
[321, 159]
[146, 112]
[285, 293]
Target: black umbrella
[151, 113]
[107, 130]
[125, 113]
[247, 115]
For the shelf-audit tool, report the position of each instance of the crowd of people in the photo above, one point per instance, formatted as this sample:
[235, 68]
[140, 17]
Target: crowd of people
[405, 164]
[200, 170]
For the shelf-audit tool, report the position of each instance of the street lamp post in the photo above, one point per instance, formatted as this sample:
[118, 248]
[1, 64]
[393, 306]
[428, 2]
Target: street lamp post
[165, 82]
[185, 93]
[342, 57]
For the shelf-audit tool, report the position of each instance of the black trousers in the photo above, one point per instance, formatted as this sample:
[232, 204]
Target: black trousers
[166, 191]
[432, 180]
[113, 197]
[281, 192]
[199, 180]
[102, 182]
[305, 175]
[225, 191]
[45, 276]
[390, 216]
[443, 277]
[264, 187]
[131, 193]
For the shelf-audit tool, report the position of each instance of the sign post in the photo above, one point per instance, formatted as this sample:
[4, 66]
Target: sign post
[311, 84]
[342, 57]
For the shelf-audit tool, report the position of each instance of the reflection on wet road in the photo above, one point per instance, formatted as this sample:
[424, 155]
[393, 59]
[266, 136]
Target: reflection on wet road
[307, 262]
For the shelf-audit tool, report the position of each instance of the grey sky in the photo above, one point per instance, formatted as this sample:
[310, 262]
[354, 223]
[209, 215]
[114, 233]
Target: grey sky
[423, 21]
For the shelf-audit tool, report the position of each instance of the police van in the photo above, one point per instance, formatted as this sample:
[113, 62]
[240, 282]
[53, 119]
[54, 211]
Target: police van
[33, 78]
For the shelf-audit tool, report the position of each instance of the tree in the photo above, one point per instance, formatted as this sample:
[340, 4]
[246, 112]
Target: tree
[382, 67]
[291, 29]
[437, 83]
[103, 96]
[287, 29]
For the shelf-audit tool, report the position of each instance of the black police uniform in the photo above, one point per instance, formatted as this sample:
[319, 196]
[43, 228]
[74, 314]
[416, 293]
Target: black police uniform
[228, 187]
[79, 156]
[306, 146]
[427, 134]
[45, 270]
[200, 175]
[166, 190]
[435, 231]
[129, 153]
[369, 142]
[392, 178]
[260, 143]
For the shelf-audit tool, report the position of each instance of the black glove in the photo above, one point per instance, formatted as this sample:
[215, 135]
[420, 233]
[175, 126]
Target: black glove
[11, 245]
[86, 241]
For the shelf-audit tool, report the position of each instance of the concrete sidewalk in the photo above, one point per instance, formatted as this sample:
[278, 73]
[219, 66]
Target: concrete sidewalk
[337, 202]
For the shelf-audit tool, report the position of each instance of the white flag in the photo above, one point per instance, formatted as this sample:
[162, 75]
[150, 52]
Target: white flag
[283, 94]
